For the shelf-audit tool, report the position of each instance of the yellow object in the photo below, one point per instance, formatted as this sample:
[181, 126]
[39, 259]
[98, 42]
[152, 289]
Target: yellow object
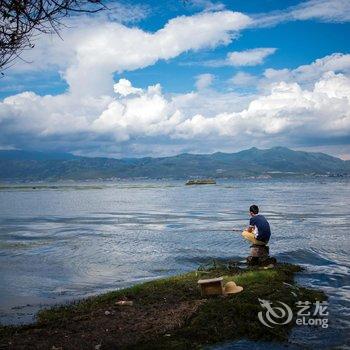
[249, 236]
[232, 288]
[213, 286]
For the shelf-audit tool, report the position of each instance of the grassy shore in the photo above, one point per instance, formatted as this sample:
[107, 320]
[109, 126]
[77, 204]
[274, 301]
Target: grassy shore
[166, 314]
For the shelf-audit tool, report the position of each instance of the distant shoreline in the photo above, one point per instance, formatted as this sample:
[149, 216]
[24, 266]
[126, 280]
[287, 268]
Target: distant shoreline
[278, 162]
[21, 183]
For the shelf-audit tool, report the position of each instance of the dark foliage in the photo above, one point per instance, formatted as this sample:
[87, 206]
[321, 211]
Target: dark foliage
[22, 20]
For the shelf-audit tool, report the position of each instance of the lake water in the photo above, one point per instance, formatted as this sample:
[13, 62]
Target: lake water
[60, 242]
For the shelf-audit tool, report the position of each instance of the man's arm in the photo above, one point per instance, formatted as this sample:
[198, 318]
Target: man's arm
[250, 228]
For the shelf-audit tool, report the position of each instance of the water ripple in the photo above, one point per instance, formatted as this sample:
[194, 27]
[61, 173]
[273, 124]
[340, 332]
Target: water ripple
[60, 242]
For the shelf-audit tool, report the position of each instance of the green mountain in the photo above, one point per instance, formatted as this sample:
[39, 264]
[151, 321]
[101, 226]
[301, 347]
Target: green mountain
[278, 161]
[33, 155]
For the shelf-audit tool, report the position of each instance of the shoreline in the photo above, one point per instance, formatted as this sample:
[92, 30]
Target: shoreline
[166, 313]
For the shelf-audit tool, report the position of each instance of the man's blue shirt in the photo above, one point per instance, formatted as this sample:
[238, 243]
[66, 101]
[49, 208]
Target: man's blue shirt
[263, 227]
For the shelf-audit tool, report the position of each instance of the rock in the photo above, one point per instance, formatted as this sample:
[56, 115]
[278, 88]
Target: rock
[259, 251]
[201, 182]
[261, 261]
[125, 302]
[270, 266]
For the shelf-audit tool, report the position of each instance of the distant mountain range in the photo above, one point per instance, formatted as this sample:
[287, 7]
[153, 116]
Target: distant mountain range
[273, 162]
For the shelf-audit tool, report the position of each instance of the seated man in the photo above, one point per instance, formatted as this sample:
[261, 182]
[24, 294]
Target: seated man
[258, 231]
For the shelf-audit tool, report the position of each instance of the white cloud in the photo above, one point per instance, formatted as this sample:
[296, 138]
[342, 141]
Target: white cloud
[210, 102]
[207, 5]
[113, 47]
[287, 109]
[287, 113]
[251, 57]
[243, 79]
[145, 114]
[336, 62]
[49, 115]
[93, 49]
[53, 52]
[124, 88]
[203, 81]
[333, 11]
[305, 75]
[325, 10]
[97, 115]
[124, 12]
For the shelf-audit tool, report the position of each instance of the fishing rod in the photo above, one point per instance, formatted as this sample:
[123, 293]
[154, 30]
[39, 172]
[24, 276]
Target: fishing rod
[232, 229]
[225, 230]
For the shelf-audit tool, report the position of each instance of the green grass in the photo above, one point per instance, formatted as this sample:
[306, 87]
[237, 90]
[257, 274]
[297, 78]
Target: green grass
[216, 320]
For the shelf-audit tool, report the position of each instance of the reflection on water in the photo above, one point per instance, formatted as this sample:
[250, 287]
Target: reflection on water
[66, 241]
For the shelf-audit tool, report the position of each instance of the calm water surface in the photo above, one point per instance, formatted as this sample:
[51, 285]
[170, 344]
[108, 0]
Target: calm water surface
[60, 242]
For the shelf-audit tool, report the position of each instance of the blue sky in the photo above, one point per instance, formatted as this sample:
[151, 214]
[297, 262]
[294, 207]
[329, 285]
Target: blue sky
[297, 43]
[246, 73]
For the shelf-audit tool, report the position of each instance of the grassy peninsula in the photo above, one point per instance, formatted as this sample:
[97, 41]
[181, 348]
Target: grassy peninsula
[166, 314]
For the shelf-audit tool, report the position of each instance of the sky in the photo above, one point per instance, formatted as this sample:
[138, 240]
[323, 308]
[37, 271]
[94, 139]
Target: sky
[159, 78]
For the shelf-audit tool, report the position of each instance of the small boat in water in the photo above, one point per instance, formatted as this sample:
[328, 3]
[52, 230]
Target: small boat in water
[201, 182]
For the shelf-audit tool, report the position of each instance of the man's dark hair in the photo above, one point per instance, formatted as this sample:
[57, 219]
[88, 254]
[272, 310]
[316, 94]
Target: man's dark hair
[254, 209]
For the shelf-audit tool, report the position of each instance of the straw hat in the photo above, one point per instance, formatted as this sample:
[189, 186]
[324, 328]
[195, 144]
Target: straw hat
[231, 288]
